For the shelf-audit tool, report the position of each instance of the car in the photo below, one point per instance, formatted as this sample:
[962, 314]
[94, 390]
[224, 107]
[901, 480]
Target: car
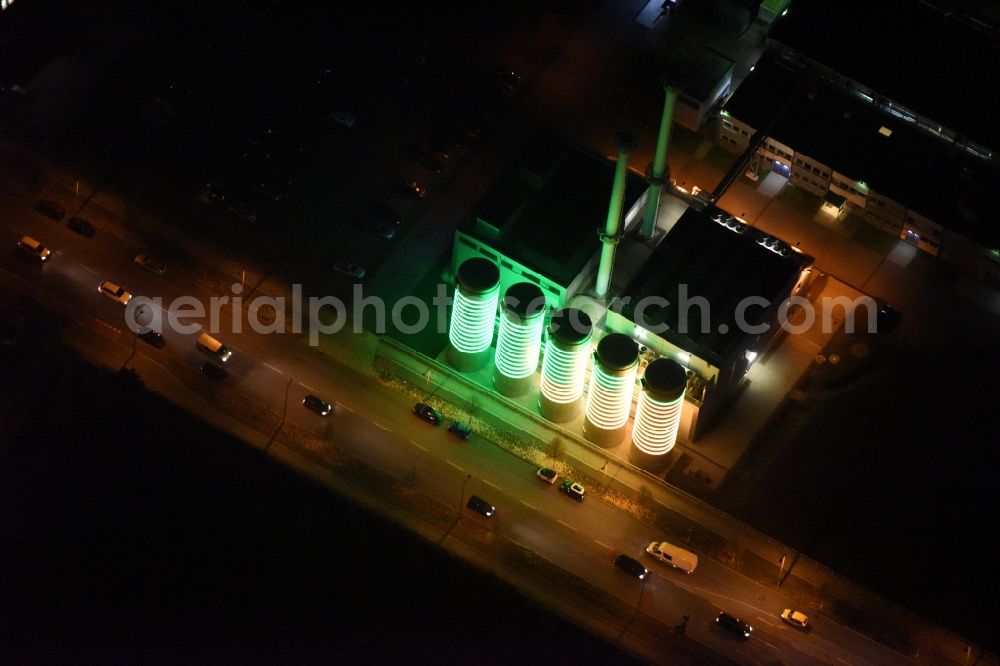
[460, 430]
[349, 268]
[387, 213]
[321, 407]
[213, 191]
[114, 292]
[507, 81]
[416, 189]
[631, 566]
[795, 618]
[344, 118]
[733, 625]
[431, 164]
[152, 338]
[572, 489]
[380, 228]
[244, 211]
[81, 226]
[150, 264]
[32, 248]
[887, 319]
[547, 475]
[428, 413]
[216, 372]
[479, 505]
[51, 209]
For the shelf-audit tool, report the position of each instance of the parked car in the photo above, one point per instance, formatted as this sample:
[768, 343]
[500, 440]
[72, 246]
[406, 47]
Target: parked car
[572, 489]
[733, 625]
[431, 164]
[81, 226]
[216, 372]
[507, 81]
[416, 189]
[317, 405]
[350, 269]
[244, 211]
[380, 228]
[32, 248]
[213, 191]
[479, 505]
[51, 209]
[460, 430]
[115, 292]
[150, 264]
[387, 213]
[428, 413]
[152, 338]
[795, 618]
[344, 118]
[631, 566]
[547, 475]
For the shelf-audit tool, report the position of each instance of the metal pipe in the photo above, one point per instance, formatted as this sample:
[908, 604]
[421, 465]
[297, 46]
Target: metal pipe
[658, 177]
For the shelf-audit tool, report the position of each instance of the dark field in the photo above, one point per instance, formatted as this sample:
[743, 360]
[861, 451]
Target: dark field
[132, 531]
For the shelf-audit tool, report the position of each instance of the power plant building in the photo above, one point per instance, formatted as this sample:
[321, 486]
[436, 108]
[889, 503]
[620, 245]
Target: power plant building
[540, 223]
[708, 298]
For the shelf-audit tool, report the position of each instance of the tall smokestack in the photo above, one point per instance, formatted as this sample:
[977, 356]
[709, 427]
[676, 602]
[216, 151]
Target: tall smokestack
[658, 177]
[612, 227]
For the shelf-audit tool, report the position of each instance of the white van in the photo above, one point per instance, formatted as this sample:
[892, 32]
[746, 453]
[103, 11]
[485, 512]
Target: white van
[676, 557]
[210, 345]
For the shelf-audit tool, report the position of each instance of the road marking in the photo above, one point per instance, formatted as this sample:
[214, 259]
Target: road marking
[493, 484]
[568, 525]
[343, 406]
[601, 543]
[418, 446]
[454, 465]
[309, 388]
[530, 506]
[273, 368]
[89, 269]
[380, 426]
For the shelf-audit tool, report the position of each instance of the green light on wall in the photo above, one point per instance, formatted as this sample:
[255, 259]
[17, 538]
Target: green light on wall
[472, 318]
[563, 372]
[610, 397]
[656, 423]
[518, 345]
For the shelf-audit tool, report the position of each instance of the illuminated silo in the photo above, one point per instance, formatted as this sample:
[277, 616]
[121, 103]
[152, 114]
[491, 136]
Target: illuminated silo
[612, 381]
[564, 367]
[473, 314]
[519, 341]
[658, 414]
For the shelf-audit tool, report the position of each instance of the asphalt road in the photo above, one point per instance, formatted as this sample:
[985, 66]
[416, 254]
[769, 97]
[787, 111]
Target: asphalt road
[374, 423]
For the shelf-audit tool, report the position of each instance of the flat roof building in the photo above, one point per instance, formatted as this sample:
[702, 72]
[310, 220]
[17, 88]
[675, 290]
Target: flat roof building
[906, 181]
[708, 297]
[540, 222]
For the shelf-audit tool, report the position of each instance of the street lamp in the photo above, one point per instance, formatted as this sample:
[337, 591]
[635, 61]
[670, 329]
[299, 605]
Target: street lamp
[462, 500]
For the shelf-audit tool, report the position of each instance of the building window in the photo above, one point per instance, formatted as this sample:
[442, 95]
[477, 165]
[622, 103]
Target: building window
[728, 125]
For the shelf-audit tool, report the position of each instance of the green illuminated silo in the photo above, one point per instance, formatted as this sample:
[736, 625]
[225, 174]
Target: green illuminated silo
[473, 314]
[658, 414]
[564, 367]
[612, 381]
[519, 341]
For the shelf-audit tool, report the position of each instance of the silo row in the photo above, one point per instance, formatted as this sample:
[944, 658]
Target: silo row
[564, 364]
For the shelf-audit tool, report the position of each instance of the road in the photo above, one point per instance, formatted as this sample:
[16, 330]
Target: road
[374, 423]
